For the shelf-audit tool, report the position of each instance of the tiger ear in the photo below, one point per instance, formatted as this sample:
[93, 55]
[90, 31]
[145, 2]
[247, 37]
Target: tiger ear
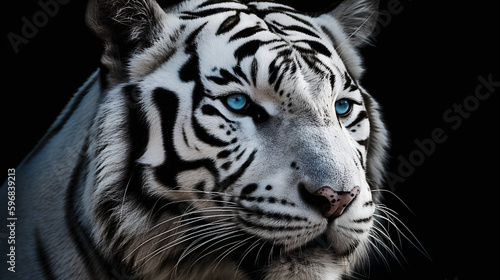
[125, 27]
[357, 19]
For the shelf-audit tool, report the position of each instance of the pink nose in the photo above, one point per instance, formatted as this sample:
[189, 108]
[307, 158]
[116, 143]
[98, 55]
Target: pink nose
[337, 201]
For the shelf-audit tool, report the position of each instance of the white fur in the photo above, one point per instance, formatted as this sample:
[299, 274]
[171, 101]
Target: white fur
[303, 144]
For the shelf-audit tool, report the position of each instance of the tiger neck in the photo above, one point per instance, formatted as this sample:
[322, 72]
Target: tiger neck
[56, 169]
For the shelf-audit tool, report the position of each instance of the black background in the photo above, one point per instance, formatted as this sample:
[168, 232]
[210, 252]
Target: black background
[427, 57]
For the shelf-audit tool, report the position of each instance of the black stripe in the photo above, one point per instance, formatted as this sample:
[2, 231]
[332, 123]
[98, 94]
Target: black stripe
[248, 189]
[348, 81]
[206, 13]
[222, 186]
[43, 257]
[246, 32]
[204, 136]
[355, 230]
[312, 60]
[303, 21]
[285, 10]
[241, 154]
[213, 2]
[247, 49]
[353, 87]
[273, 71]
[271, 227]
[200, 190]
[210, 110]
[189, 71]
[228, 24]
[226, 165]
[368, 203]
[361, 116]
[250, 48]
[363, 142]
[272, 215]
[225, 78]
[184, 137]
[280, 78]
[306, 52]
[331, 77]
[138, 134]
[316, 46]
[138, 128]
[254, 71]
[277, 8]
[95, 263]
[330, 36]
[360, 156]
[167, 104]
[276, 28]
[237, 70]
[154, 205]
[365, 220]
[301, 30]
[224, 154]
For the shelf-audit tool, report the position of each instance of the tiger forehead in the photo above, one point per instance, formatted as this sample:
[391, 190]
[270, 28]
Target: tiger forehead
[266, 50]
[273, 23]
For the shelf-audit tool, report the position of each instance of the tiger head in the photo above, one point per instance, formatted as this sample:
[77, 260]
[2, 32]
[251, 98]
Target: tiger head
[233, 133]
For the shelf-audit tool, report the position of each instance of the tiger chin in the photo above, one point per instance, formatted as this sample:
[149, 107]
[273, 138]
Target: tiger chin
[218, 140]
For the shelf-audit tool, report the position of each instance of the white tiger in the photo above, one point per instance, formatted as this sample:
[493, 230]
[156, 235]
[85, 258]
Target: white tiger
[219, 140]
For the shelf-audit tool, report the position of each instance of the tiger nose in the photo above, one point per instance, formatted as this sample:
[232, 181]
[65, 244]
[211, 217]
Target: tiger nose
[336, 201]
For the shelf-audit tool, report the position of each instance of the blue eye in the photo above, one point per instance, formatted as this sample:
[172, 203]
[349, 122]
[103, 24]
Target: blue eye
[343, 107]
[237, 102]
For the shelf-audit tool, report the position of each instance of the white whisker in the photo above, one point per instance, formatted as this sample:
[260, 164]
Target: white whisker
[218, 234]
[396, 196]
[191, 248]
[393, 218]
[177, 242]
[248, 250]
[375, 247]
[200, 211]
[219, 223]
[380, 235]
[190, 201]
[380, 242]
[237, 243]
[258, 253]
[125, 193]
[176, 233]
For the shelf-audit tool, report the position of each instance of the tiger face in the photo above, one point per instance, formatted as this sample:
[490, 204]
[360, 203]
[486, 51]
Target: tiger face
[246, 134]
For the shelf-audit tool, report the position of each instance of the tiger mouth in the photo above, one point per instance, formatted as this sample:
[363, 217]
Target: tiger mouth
[322, 242]
[291, 224]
